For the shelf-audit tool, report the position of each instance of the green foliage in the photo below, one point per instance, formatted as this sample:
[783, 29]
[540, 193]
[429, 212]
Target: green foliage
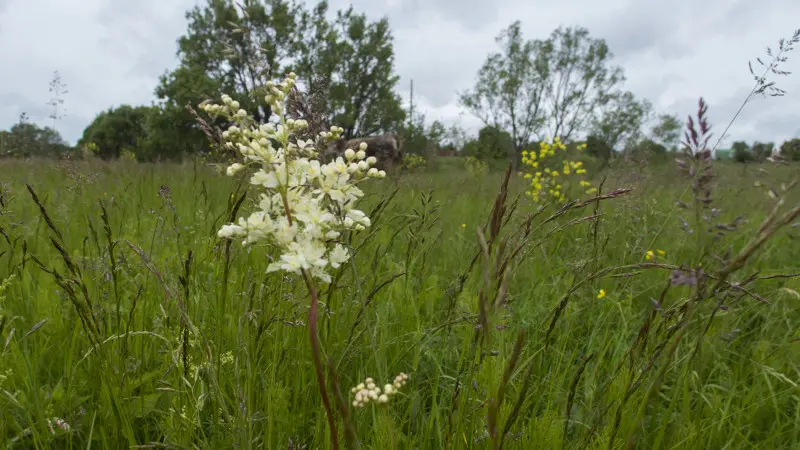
[762, 150]
[790, 149]
[421, 139]
[475, 166]
[667, 131]
[559, 84]
[492, 143]
[741, 152]
[27, 140]
[248, 377]
[647, 150]
[598, 148]
[117, 129]
[363, 100]
[413, 162]
[620, 125]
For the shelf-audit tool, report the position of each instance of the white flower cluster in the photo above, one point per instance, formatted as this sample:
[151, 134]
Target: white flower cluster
[306, 205]
[368, 391]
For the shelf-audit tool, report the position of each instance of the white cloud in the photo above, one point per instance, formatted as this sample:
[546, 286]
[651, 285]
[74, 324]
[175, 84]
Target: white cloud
[111, 52]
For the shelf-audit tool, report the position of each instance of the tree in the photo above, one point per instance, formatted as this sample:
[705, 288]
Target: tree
[646, 150]
[667, 131]
[558, 84]
[115, 130]
[26, 139]
[791, 149]
[363, 101]
[510, 89]
[762, 150]
[580, 79]
[741, 152]
[621, 121]
[226, 49]
[598, 148]
[492, 143]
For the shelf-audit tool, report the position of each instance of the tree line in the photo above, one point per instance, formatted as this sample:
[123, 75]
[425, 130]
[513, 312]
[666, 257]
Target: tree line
[529, 90]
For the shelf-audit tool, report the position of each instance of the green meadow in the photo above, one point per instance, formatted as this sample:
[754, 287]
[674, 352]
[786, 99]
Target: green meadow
[125, 322]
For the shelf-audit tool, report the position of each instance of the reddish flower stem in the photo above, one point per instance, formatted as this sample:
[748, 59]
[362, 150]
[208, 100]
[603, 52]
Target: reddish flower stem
[315, 351]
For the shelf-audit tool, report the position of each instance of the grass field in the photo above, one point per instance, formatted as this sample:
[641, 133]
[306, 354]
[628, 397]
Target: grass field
[127, 322]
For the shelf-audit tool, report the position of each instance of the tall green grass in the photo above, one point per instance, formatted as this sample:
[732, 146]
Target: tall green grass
[127, 322]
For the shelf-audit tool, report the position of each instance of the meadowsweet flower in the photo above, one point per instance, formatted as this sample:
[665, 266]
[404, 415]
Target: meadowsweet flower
[601, 294]
[368, 391]
[305, 205]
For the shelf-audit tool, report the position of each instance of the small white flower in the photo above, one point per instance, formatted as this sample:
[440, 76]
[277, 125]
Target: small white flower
[363, 147]
[234, 168]
[349, 154]
[361, 153]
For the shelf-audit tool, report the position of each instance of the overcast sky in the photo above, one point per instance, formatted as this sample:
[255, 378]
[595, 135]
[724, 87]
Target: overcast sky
[111, 52]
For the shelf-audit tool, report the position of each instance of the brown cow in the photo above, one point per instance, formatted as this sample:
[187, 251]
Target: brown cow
[385, 147]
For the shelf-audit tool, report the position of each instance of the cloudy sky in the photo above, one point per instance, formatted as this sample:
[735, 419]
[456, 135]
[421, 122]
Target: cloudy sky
[111, 52]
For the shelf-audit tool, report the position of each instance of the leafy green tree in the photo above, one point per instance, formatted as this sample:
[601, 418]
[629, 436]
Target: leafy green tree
[741, 152]
[762, 150]
[599, 148]
[226, 49]
[492, 143]
[363, 100]
[559, 84]
[26, 139]
[581, 81]
[667, 131]
[791, 149]
[117, 129]
[620, 124]
[646, 150]
[510, 89]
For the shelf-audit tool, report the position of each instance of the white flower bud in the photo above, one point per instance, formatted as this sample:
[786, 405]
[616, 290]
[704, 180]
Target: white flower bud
[388, 389]
[373, 172]
[349, 154]
[361, 153]
[370, 384]
[235, 104]
[362, 146]
[356, 404]
[372, 160]
[382, 173]
[362, 165]
[383, 399]
[234, 168]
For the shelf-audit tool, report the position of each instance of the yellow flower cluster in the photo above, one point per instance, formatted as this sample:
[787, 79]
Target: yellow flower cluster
[412, 161]
[475, 166]
[651, 256]
[546, 183]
